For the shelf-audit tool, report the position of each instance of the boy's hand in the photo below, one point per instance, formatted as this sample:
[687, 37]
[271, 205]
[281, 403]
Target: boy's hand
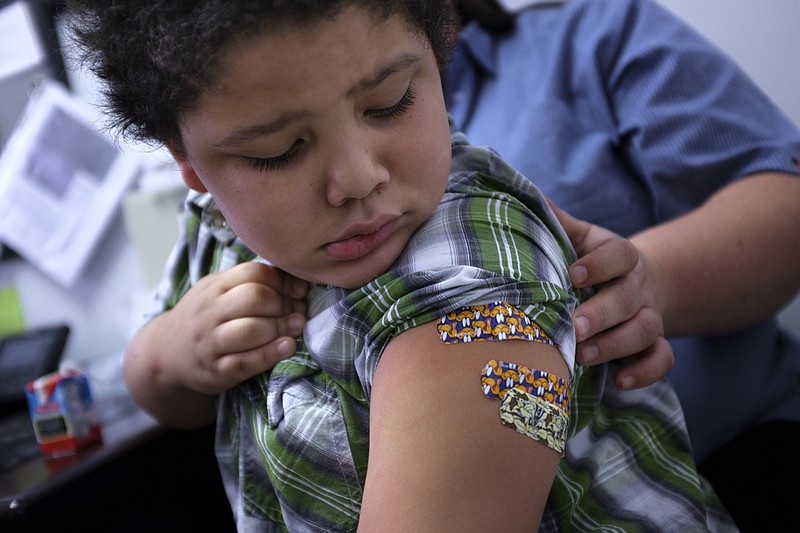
[623, 318]
[232, 325]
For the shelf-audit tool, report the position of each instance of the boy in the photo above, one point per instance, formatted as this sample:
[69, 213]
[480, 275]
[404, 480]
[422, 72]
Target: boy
[316, 137]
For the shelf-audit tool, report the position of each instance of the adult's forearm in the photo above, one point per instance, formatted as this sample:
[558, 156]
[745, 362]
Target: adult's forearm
[731, 262]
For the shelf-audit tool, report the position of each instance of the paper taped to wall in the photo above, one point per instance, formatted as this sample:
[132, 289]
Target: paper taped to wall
[61, 181]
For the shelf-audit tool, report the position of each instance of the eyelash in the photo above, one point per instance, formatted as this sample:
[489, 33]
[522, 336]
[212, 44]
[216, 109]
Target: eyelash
[271, 164]
[397, 109]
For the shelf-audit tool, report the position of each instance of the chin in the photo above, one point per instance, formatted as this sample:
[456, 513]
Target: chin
[354, 276]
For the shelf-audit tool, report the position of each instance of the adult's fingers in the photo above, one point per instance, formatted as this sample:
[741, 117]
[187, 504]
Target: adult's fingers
[613, 304]
[602, 254]
[577, 230]
[647, 368]
[629, 338]
[603, 261]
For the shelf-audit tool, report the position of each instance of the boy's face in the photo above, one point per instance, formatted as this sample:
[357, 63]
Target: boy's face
[326, 147]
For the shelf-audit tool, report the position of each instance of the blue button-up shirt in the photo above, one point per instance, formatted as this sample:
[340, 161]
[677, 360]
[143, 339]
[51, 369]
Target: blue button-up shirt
[627, 118]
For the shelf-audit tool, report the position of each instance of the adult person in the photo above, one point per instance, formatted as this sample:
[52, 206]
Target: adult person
[642, 127]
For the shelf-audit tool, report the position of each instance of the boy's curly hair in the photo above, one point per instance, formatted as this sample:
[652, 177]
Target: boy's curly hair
[155, 58]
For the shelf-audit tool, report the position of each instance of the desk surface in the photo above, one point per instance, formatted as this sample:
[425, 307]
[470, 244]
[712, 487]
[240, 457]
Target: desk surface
[125, 427]
[143, 477]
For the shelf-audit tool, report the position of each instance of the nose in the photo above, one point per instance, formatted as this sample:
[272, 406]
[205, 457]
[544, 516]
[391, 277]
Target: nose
[355, 171]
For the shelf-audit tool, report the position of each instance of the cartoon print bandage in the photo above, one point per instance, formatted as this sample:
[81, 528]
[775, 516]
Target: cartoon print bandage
[533, 402]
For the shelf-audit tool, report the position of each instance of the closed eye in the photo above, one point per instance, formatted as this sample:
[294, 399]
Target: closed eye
[397, 109]
[271, 164]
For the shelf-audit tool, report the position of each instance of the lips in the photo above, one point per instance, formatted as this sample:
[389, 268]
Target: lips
[362, 239]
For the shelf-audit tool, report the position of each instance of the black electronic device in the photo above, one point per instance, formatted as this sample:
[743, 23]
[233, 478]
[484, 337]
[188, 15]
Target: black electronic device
[27, 356]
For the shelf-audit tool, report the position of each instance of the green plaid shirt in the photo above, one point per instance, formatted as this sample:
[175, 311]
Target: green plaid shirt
[292, 443]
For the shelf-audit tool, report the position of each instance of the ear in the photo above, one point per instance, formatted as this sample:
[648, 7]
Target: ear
[190, 177]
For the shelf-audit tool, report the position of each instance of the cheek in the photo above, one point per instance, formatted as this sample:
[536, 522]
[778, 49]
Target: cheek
[263, 221]
[430, 155]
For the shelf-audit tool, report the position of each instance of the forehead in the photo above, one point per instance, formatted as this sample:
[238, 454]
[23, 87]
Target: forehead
[315, 41]
[343, 51]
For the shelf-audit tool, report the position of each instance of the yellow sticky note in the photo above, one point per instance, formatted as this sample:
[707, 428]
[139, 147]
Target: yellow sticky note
[11, 320]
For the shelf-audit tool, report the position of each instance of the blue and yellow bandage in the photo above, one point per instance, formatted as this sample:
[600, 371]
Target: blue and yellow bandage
[534, 402]
[495, 321]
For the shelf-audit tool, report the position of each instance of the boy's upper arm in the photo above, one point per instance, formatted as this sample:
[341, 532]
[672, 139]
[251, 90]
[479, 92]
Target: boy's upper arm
[440, 458]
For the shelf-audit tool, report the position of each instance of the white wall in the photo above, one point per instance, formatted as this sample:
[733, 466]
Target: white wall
[763, 37]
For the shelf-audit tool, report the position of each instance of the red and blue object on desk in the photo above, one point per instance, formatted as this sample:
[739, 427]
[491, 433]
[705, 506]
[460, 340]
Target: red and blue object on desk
[62, 412]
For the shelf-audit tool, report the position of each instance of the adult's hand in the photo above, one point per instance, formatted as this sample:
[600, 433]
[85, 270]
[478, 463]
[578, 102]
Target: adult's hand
[622, 320]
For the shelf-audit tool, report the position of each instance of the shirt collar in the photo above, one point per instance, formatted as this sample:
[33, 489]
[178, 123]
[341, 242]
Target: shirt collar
[515, 6]
[480, 46]
[204, 207]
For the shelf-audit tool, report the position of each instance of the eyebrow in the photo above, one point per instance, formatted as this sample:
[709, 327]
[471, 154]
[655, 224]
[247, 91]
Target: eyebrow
[249, 133]
[257, 130]
[399, 64]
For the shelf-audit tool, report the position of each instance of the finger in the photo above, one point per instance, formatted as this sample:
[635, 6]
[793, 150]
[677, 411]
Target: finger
[255, 299]
[626, 339]
[576, 229]
[613, 304]
[603, 255]
[267, 275]
[291, 325]
[245, 334]
[285, 284]
[653, 364]
[237, 367]
[613, 258]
